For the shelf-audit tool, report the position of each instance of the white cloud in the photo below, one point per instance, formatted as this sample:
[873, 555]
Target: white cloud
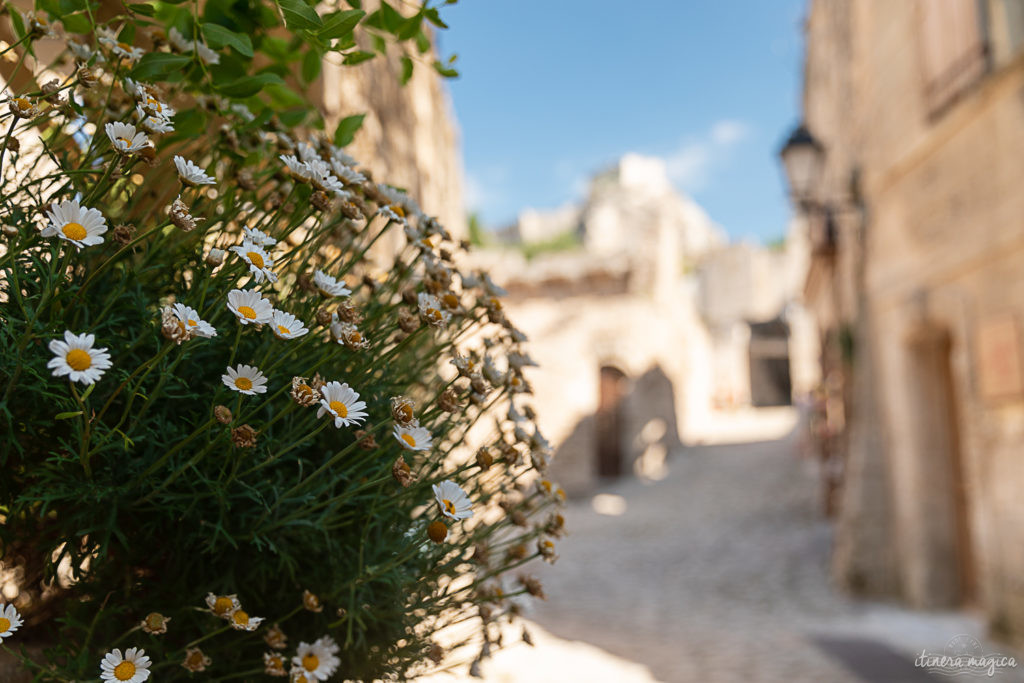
[690, 167]
[481, 188]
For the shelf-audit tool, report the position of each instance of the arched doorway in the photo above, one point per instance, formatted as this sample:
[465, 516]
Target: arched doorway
[609, 422]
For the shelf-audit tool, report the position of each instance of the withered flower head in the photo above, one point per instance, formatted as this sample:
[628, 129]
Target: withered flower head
[195, 660]
[215, 257]
[436, 653]
[275, 637]
[533, 586]
[155, 623]
[402, 410]
[407, 321]
[88, 77]
[124, 233]
[366, 440]
[180, 216]
[311, 602]
[437, 531]
[449, 400]
[323, 316]
[402, 473]
[172, 327]
[348, 313]
[303, 393]
[223, 414]
[244, 436]
[322, 200]
[484, 458]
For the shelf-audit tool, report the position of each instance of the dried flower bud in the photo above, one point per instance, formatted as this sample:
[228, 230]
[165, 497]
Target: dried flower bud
[155, 623]
[449, 400]
[244, 436]
[403, 475]
[519, 518]
[479, 384]
[274, 637]
[10, 231]
[13, 145]
[485, 613]
[402, 410]
[195, 660]
[436, 653]
[533, 586]
[87, 77]
[348, 313]
[321, 200]
[172, 327]
[350, 210]
[437, 531]
[311, 602]
[148, 154]
[302, 392]
[275, 199]
[323, 316]
[366, 440]
[517, 552]
[273, 664]
[546, 549]
[124, 233]
[245, 181]
[215, 257]
[180, 215]
[407, 321]
[223, 414]
[484, 458]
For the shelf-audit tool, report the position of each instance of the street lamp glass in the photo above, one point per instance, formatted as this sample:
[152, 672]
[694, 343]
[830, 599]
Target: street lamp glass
[803, 158]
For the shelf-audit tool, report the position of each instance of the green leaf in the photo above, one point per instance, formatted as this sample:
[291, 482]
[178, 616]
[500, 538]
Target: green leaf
[347, 128]
[17, 23]
[217, 36]
[298, 15]
[311, 64]
[76, 23]
[145, 9]
[248, 85]
[445, 71]
[67, 416]
[357, 57]
[390, 18]
[406, 70]
[422, 42]
[434, 17]
[156, 65]
[340, 23]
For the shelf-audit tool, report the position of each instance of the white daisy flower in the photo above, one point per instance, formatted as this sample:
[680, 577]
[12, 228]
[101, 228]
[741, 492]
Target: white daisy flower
[151, 104]
[453, 500]
[414, 438]
[431, 310]
[241, 621]
[341, 157]
[154, 124]
[296, 169]
[307, 152]
[206, 54]
[178, 41]
[245, 379]
[328, 286]
[259, 261]
[341, 401]
[250, 306]
[390, 214]
[194, 325]
[76, 224]
[286, 326]
[243, 111]
[321, 178]
[124, 138]
[191, 174]
[315, 660]
[122, 49]
[347, 174]
[76, 358]
[258, 237]
[132, 667]
[83, 52]
[10, 621]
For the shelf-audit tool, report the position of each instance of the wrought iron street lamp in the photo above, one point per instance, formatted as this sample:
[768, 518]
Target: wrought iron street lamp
[803, 159]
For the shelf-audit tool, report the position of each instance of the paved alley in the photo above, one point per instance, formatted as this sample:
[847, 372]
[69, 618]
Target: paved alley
[718, 572]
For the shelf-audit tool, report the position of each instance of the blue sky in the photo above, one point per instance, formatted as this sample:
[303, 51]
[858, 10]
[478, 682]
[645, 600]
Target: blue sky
[553, 90]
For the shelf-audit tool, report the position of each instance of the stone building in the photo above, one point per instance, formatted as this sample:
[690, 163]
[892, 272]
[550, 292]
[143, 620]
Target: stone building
[649, 325]
[916, 280]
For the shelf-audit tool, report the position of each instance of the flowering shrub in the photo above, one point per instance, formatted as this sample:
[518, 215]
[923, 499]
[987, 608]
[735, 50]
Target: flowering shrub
[238, 374]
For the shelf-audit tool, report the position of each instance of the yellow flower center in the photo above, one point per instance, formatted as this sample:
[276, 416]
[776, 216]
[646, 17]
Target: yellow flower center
[78, 359]
[126, 141]
[546, 484]
[243, 383]
[247, 312]
[433, 314]
[195, 660]
[124, 46]
[240, 617]
[339, 408]
[222, 605]
[155, 621]
[304, 390]
[256, 259]
[449, 506]
[399, 210]
[283, 330]
[4, 624]
[451, 301]
[310, 661]
[192, 323]
[22, 103]
[408, 438]
[405, 412]
[355, 337]
[124, 671]
[74, 231]
[496, 303]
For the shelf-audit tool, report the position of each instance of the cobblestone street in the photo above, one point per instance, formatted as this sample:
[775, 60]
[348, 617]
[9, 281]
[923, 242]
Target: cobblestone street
[718, 572]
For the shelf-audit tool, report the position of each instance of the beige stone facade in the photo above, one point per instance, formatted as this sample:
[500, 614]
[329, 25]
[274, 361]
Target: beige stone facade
[919, 107]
